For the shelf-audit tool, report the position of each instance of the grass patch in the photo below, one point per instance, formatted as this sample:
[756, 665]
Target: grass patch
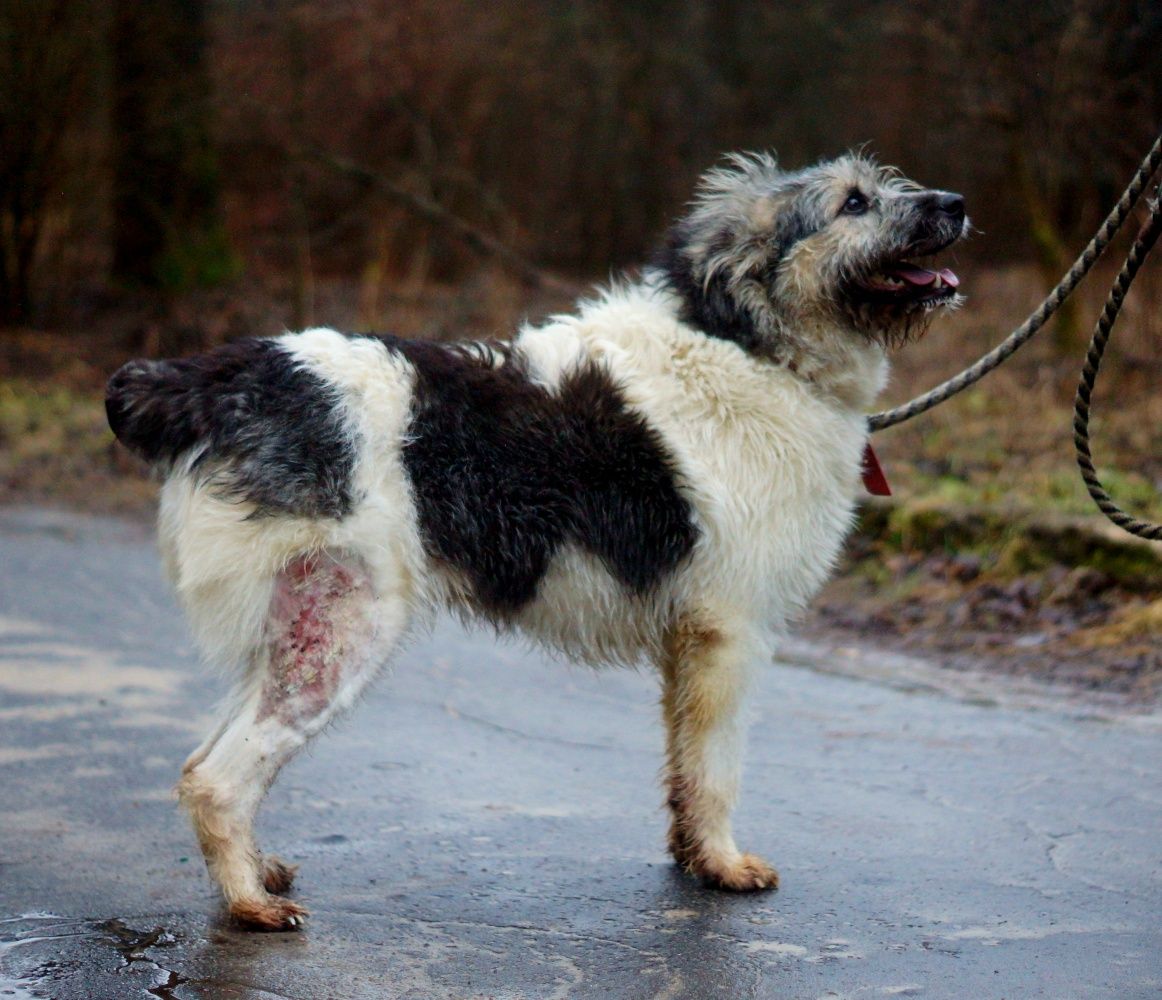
[1008, 543]
[1134, 625]
[56, 445]
[38, 421]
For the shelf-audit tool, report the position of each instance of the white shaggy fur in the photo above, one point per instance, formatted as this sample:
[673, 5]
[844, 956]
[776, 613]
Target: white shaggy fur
[770, 464]
[765, 430]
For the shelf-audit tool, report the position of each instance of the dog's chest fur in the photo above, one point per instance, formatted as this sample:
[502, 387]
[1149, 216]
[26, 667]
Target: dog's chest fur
[769, 461]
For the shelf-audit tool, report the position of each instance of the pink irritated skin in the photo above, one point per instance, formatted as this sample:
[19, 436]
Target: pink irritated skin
[319, 621]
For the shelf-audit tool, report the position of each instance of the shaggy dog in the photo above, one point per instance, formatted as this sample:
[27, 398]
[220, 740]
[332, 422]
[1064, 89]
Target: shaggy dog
[666, 475]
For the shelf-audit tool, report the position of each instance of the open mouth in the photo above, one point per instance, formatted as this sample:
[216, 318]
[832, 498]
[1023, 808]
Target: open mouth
[905, 283]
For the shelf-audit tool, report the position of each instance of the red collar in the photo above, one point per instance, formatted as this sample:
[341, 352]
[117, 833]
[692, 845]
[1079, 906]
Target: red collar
[874, 480]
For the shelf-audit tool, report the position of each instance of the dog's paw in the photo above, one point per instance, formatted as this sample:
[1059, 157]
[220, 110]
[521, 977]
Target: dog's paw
[747, 873]
[277, 875]
[271, 914]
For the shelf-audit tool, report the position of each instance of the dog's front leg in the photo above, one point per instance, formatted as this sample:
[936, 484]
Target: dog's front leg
[705, 672]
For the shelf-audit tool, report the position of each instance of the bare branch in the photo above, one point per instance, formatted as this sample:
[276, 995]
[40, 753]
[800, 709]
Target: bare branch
[432, 211]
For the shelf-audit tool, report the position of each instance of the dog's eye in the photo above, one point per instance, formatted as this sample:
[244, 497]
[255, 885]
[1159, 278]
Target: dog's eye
[856, 204]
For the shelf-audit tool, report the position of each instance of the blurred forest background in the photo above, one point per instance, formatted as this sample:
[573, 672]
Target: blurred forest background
[177, 173]
[171, 145]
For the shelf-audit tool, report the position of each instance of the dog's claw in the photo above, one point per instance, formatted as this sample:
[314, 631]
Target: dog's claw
[274, 914]
[749, 873]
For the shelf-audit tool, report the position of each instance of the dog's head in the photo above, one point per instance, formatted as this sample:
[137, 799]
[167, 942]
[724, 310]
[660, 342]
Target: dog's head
[764, 254]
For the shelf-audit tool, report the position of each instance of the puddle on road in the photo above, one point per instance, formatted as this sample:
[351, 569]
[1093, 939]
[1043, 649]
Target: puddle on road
[165, 956]
[134, 946]
[42, 954]
[19, 936]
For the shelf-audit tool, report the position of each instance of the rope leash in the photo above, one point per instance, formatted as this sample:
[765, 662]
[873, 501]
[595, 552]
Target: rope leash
[1101, 335]
[1037, 319]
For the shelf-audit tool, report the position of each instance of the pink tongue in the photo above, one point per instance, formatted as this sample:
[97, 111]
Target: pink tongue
[922, 276]
[914, 275]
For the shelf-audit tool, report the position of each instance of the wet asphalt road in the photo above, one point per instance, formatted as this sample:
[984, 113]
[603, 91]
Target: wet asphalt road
[489, 824]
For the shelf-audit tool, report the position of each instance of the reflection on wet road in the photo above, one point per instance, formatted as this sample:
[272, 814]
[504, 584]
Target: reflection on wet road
[489, 824]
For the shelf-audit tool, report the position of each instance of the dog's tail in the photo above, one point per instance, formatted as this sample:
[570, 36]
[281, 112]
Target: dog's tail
[158, 409]
[250, 415]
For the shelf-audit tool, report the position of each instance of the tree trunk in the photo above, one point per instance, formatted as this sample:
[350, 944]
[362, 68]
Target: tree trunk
[1050, 249]
[45, 67]
[167, 225]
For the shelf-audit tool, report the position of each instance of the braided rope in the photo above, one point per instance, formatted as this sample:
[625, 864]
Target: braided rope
[1101, 335]
[1023, 333]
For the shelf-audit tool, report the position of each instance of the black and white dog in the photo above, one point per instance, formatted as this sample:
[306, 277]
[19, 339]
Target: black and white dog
[667, 475]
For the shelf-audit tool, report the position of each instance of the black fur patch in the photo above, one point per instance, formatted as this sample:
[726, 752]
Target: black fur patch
[711, 306]
[266, 430]
[505, 472]
[708, 306]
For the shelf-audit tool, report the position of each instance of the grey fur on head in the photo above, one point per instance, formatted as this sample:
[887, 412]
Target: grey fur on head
[764, 255]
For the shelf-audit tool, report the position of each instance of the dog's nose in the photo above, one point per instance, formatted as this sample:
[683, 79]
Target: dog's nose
[951, 205]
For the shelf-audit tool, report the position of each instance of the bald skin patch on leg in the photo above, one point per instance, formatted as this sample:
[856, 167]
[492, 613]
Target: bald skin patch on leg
[326, 634]
[319, 615]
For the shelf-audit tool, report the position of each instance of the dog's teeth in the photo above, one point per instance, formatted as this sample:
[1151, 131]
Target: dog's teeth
[886, 281]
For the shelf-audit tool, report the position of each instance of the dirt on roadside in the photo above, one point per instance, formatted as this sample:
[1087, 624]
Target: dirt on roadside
[1064, 600]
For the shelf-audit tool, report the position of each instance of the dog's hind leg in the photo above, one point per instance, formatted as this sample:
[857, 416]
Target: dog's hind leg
[277, 875]
[705, 670]
[326, 634]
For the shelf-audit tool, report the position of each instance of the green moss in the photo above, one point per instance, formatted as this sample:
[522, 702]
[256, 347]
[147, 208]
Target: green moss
[1019, 556]
[50, 435]
[1132, 563]
[1010, 543]
[932, 527]
[1132, 491]
[37, 420]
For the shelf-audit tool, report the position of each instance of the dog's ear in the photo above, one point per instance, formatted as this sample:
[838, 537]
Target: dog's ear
[709, 302]
[790, 228]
